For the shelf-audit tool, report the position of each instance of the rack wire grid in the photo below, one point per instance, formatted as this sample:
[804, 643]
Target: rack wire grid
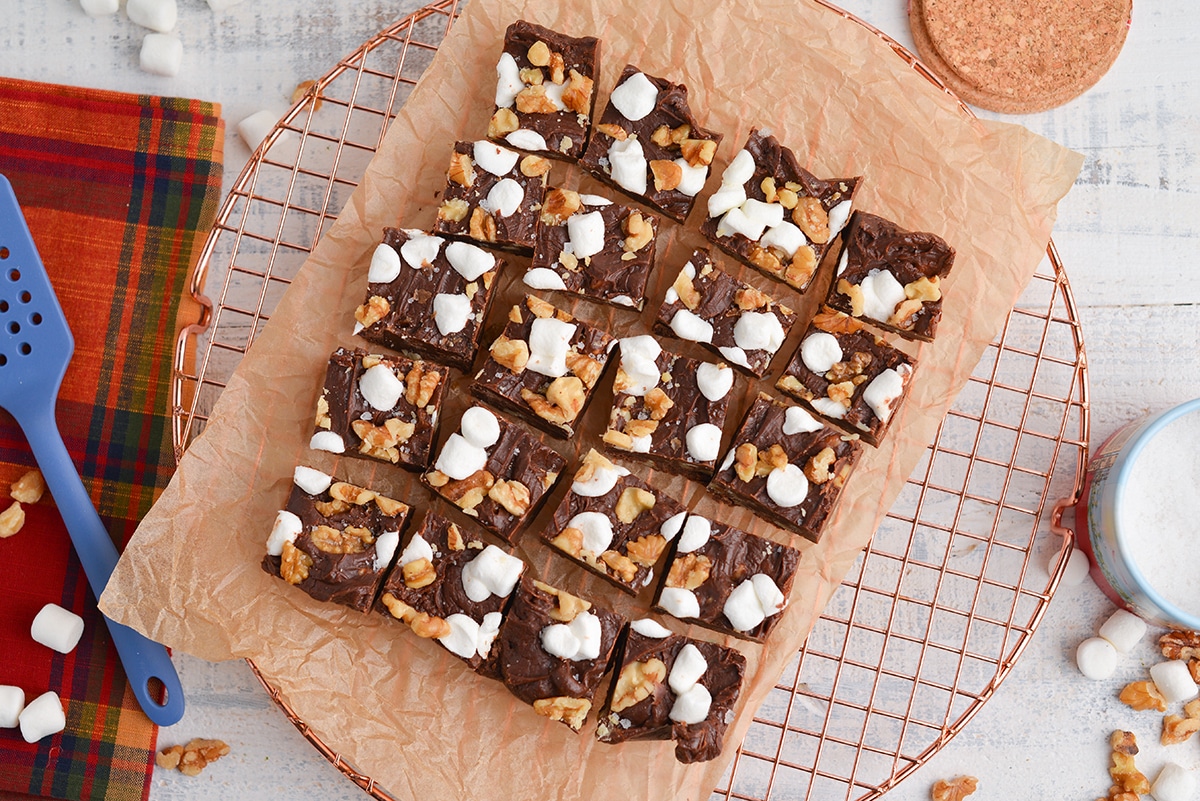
[936, 610]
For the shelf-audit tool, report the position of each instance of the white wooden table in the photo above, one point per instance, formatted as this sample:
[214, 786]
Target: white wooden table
[1126, 232]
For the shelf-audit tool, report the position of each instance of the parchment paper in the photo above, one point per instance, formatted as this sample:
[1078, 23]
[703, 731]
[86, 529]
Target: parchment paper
[404, 711]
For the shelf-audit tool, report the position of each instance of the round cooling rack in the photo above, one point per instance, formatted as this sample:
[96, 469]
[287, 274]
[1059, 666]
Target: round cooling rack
[937, 608]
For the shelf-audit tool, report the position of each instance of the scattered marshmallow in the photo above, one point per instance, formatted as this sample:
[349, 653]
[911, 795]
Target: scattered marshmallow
[820, 351]
[645, 627]
[480, 427]
[758, 331]
[420, 250]
[257, 127]
[314, 482]
[798, 421]
[451, 312]
[672, 296]
[526, 139]
[881, 294]
[161, 54]
[737, 221]
[493, 572]
[785, 237]
[601, 482]
[468, 638]
[460, 459]
[1096, 658]
[1124, 630]
[691, 326]
[627, 163]
[543, 278]
[597, 531]
[327, 441]
[578, 640]
[843, 261]
[704, 442]
[549, 343]
[725, 199]
[497, 160]
[468, 260]
[385, 265]
[639, 357]
[1174, 783]
[735, 355]
[829, 407]
[689, 666]
[838, 216]
[385, 548]
[504, 198]
[12, 701]
[157, 15]
[672, 526]
[714, 380]
[680, 602]
[57, 628]
[418, 548]
[380, 387]
[884, 390]
[1174, 681]
[594, 200]
[787, 486]
[554, 93]
[1077, 568]
[586, 232]
[635, 97]
[287, 527]
[691, 707]
[692, 180]
[742, 608]
[767, 214]
[508, 81]
[740, 170]
[696, 532]
[42, 717]
[98, 8]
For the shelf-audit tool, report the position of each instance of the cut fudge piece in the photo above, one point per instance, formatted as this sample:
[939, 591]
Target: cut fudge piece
[670, 687]
[593, 247]
[891, 277]
[449, 586]
[493, 195]
[649, 145]
[379, 407]
[543, 367]
[554, 648]
[427, 295]
[774, 215]
[728, 580]
[786, 466]
[668, 409]
[848, 375]
[709, 306]
[334, 540]
[614, 524]
[545, 90]
[494, 471]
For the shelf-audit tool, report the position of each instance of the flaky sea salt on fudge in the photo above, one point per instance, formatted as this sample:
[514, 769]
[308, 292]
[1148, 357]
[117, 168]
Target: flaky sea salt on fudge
[545, 90]
[427, 295]
[553, 650]
[493, 196]
[588, 245]
[494, 471]
[774, 215]
[668, 409]
[649, 145]
[449, 586]
[728, 580]
[786, 466]
[669, 687]
[379, 407]
[543, 367]
[848, 375]
[614, 524]
[334, 540]
[707, 305]
[891, 277]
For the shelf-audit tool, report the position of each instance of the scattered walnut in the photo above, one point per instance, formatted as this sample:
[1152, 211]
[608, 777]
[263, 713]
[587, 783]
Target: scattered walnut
[503, 122]
[924, 289]
[905, 315]
[558, 68]
[746, 460]
[390, 506]
[330, 508]
[349, 493]
[786, 198]
[619, 564]
[1124, 774]
[842, 392]
[639, 232]
[567, 393]
[767, 185]
[1177, 729]
[397, 608]
[531, 75]
[1194, 669]
[567, 605]
[462, 169]
[322, 420]
[512, 495]
[858, 301]
[646, 550]
[453, 210]
[380, 441]
[419, 573]
[541, 308]
[420, 384]
[954, 789]
[294, 564]
[667, 175]
[1192, 708]
[836, 322]
[192, 758]
[454, 538]
[618, 439]
[549, 411]
[302, 89]
[613, 130]
[533, 166]
[766, 261]
[539, 54]
[436, 478]
[689, 571]
[585, 367]
[1180, 644]
[637, 681]
[748, 298]
[559, 205]
[429, 626]
[510, 353]
[168, 758]
[688, 295]
[470, 491]
[641, 428]
[569, 540]
[572, 711]
[812, 219]
[802, 266]
[29, 487]
[375, 309]
[698, 151]
[633, 501]
[773, 458]
[1143, 695]
[819, 468]
[482, 226]
[12, 520]
[851, 368]
[534, 100]
[353, 539]
[661, 136]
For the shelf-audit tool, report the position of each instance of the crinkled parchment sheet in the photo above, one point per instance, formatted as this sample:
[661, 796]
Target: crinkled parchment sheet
[401, 709]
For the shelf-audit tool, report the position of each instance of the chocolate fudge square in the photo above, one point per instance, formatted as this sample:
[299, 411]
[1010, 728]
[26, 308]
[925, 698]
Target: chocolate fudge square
[614, 524]
[553, 650]
[774, 215]
[379, 407]
[707, 305]
[727, 580]
[669, 687]
[494, 471]
[428, 296]
[649, 145]
[668, 409]
[786, 466]
[543, 367]
[545, 90]
[891, 277]
[449, 586]
[588, 245]
[493, 195]
[848, 375]
[334, 540]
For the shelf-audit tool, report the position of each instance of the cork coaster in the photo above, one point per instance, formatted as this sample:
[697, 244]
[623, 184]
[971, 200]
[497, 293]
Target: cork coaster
[1019, 56]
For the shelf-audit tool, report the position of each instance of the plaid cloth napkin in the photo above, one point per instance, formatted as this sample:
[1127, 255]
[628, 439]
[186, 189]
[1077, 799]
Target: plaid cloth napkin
[119, 192]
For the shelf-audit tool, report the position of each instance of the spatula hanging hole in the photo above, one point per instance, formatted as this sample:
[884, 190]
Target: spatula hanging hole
[25, 349]
[14, 327]
[3, 306]
[14, 275]
[3, 253]
[25, 297]
[3, 360]
[35, 318]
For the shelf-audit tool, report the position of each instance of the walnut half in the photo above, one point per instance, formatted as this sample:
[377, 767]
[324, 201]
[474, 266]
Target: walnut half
[953, 789]
[637, 681]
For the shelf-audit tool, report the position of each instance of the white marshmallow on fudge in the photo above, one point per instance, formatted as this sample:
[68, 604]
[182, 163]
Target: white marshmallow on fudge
[1174, 681]
[157, 15]
[42, 717]
[1124, 630]
[161, 54]
[1096, 658]
[12, 701]
[492, 572]
[57, 628]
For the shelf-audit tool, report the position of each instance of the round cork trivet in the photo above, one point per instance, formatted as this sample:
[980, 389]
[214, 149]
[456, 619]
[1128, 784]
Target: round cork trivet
[1019, 56]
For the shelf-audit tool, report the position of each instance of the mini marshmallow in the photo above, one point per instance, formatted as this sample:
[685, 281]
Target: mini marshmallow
[829, 407]
[451, 312]
[549, 343]
[597, 531]
[770, 597]
[641, 444]
[221, 5]
[672, 296]
[327, 441]
[508, 80]
[643, 626]
[385, 548]
[504, 198]
[594, 200]
[785, 237]
[96, 8]
[692, 179]
[421, 249]
[725, 199]
[736, 221]
[380, 387]
[820, 351]
[838, 216]
[12, 701]
[740, 170]
[689, 666]
[635, 97]
[843, 261]
[704, 442]
[1174, 783]
[689, 325]
[601, 482]
[696, 532]
[787, 486]
[1123, 629]
[1076, 570]
[586, 232]
[578, 640]
[769, 214]
[463, 639]
[1096, 658]
[735, 355]
[884, 390]
[257, 127]
[624, 300]
[672, 526]
[287, 527]
[42, 717]
[497, 160]
[161, 54]
[758, 331]
[385, 265]
[798, 421]
[488, 630]
[480, 427]
[627, 164]
[742, 608]
[314, 482]
[460, 459]
[493, 572]
[881, 293]
[543, 278]
[157, 15]
[418, 548]
[680, 602]
[691, 707]
[638, 361]
[526, 139]
[714, 380]
[57, 628]
[1174, 681]
[468, 260]
[554, 93]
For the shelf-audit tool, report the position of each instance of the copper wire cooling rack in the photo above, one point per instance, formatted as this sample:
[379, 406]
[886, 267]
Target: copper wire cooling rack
[936, 610]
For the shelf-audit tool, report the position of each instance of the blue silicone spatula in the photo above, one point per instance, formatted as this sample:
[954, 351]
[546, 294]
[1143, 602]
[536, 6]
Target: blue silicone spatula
[35, 348]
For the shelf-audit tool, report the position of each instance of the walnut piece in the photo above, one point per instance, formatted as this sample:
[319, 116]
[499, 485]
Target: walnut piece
[585, 367]
[812, 219]
[572, 711]
[470, 491]
[12, 520]
[419, 573]
[667, 175]
[569, 541]
[454, 538]
[819, 468]
[323, 420]
[1124, 774]
[770, 460]
[1180, 644]
[924, 288]
[462, 170]
[502, 123]
[646, 550]
[534, 166]
[858, 301]
[953, 789]
[420, 384]
[787, 198]
[429, 626]
[689, 571]
[374, 310]
[559, 205]
[633, 501]
[746, 460]
[294, 564]
[658, 403]
[641, 428]
[906, 312]
[534, 100]
[168, 758]
[29, 488]
[512, 495]
[539, 54]
[390, 506]
[749, 298]
[192, 758]
[567, 606]
[620, 564]
[1192, 708]
[349, 493]
[637, 681]
[698, 151]
[842, 392]
[639, 232]
[454, 210]
[613, 130]
[802, 265]
[618, 439]
[836, 322]
[577, 96]
[1143, 695]
[510, 353]
[482, 226]
[688, 295]
[330, 508]
[851, 368]
[767, 185]
[531, 75]
[1177, 729]
[766, 261]
[568, 394]
[353, 539]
